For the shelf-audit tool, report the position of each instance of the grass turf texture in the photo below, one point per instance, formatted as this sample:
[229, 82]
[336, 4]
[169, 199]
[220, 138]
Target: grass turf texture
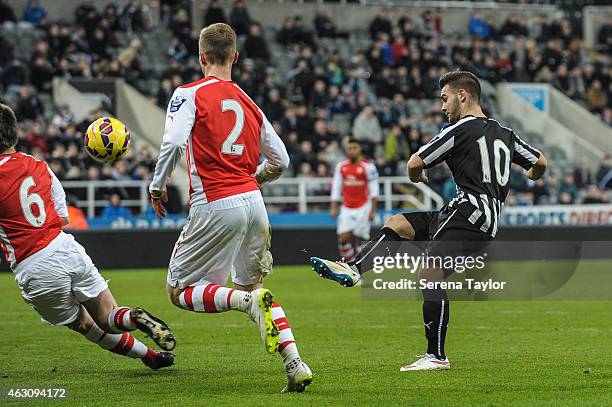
[503, 353]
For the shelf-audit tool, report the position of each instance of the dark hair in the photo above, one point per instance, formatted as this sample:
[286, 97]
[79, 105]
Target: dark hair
[462, 80]
[353, 141]
[8, 128]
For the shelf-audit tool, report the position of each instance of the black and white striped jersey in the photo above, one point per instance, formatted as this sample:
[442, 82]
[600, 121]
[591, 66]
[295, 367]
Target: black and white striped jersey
[479, 152]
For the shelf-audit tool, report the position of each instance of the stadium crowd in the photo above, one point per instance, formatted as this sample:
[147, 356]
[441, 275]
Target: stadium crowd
[324, 96]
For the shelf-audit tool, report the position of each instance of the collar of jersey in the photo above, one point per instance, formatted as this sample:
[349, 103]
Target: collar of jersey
[468, 115]
[220, 80]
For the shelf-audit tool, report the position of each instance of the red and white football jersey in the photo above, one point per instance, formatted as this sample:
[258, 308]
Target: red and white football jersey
[32, 201]
[355, 182]
[223, 132]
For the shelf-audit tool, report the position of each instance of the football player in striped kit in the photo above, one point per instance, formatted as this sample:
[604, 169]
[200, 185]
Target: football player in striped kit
[479, 152]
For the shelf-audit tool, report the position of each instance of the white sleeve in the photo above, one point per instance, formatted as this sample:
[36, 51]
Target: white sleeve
[373, 186]
[276, 157]
[58, 196]
[336, 190]
[180, 117]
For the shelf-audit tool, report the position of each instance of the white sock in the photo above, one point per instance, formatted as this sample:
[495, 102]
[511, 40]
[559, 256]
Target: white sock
[213, 298]
[122, 344]
[287, 347]
[120, 320]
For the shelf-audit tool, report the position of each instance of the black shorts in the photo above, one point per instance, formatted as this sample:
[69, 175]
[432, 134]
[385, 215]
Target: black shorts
[449, 233]
[447, 224]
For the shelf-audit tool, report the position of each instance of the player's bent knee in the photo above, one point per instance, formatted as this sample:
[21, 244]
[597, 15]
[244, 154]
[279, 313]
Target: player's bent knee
[82, 324]
[173, 295]
[401, 226]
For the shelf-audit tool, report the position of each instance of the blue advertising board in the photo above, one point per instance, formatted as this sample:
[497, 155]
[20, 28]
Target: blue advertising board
[534, 94]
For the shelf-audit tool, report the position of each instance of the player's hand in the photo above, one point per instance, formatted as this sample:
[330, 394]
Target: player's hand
[158, 199]
[333, 211]
[423, 178]
[372, 215]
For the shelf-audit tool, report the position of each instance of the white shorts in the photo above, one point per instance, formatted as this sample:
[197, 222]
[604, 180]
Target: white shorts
[230, 236]
[355, 220]
[56, 283]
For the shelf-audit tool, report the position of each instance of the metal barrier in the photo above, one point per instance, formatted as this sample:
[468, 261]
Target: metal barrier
[90, 187]
[285, 191]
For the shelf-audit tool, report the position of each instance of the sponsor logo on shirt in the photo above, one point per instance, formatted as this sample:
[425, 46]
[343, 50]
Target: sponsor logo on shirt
[176, 104]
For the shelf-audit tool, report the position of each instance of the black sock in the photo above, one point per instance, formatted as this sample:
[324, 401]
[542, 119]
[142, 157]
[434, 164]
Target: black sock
[362, 261]
[435, 318]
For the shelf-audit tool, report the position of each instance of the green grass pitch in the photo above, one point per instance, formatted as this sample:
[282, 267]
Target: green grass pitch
[503, 353]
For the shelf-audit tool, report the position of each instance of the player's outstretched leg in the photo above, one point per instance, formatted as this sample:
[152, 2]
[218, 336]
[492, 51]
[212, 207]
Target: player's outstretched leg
[213, 298]
[349, 274]
[299, 375]
[122, 344]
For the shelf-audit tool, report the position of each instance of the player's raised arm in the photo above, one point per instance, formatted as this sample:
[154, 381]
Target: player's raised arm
[276, 158]
[180, 117]
[434, 152]
[531, 159]
[59, 198]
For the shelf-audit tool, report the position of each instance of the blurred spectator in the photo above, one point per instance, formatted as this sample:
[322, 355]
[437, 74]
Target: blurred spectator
[604, 37]
[380, 24]
[240, 19]
[479, 27]
[325, 27]
[37, 139]
[395, 147]
[14, 73]
[568, 186]
[513, 28]
[593, 196]
[7, 13]
[596, 98]
[582, 175]
[214, 14]
[76, 217]
[136, 16]
[34, 13]
[367, 130]
[180, 25]
[115, 209]
[29, 106]
[604, 174]
[301, 34]
[565, 198]
[41, 74]
[255, 45]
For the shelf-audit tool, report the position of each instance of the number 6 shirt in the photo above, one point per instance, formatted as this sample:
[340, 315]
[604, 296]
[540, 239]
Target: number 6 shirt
[32, 203]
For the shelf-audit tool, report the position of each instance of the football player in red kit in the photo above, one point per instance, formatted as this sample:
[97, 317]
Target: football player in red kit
[222, 132]
[355, 183]
[55, 274]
